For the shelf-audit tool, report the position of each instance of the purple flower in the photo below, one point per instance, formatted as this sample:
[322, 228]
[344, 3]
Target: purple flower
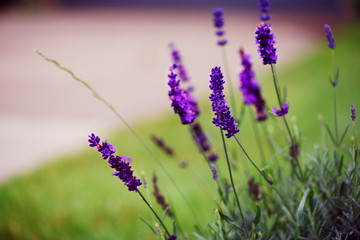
[159, 197]
[218, 14]
[223, 118]
[281, 112]
[329, 36]
[201, 138]
[172, 237]
[181, 101]
[214, 171]
[121, 164]
[177, 60]
[106, 149]
[250, 88]
[162, 145]
[93, 140]
[212, 157]
[266, 40]
[353, 114]
[264, 10]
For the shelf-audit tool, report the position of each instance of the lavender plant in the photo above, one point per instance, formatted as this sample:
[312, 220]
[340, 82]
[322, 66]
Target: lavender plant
[318, 199]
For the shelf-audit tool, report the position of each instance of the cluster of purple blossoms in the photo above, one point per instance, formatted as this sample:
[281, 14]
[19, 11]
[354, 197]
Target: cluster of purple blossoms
[162, 145]
[281, 112]
[181, 100]
[223, 118]
[329, 36]
[264, 10]
[159, 197]
[353, 114]
[177, 60]
[172, 237]
[266, 40]
[121, 164]
[218, 14]
[214, 171]
[250, 88]
[202, 141]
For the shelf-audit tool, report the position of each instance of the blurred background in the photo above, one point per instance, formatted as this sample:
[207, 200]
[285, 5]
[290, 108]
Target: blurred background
[118, 45]
[121, 48]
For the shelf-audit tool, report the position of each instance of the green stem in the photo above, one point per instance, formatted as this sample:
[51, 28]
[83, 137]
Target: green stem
[112, 108]
[231, 88]
[232, 182]
[248, 157]
[279, 100]
[292, 140]
[335, 120]
[162, 224]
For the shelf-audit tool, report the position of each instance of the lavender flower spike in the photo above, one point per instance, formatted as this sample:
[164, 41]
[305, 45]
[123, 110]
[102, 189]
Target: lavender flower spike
[181, 101]
[121, 164]
[250, 88]
[218, 14]
[353, 114]
[266, 40]
[281, 112]
[329, 36]
[177, 60]
[264, 10]
[172, 237]
[223, 118]
[214, 171]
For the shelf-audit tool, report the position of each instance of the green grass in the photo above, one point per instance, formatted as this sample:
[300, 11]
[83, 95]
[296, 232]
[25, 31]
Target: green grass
[77, 198]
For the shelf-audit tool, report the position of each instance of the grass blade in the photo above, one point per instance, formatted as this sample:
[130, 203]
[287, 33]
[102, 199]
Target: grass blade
[148, 224]
[300, 211]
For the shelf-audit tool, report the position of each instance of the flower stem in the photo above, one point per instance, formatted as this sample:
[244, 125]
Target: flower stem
[279, 100]
[292, 140]
[162, 224]
[248, 157]
[232, 182]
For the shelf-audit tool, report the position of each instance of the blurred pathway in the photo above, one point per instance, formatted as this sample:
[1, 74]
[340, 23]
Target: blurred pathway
[123, 54]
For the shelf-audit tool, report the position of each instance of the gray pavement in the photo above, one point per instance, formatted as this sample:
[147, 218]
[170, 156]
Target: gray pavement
[123, 54]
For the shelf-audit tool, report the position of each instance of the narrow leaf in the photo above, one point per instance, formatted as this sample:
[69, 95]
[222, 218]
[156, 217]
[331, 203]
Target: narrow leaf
[258, 215]
[300, 212]
[164, 214]
[329, 131]
[229, 220]
[198, 236]
[343, 135]
[336, 76]
[148, 224]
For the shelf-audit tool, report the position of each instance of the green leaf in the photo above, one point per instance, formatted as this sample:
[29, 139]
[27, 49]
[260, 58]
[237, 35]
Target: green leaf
[343, 135]
[336, 76]
[164, 214]
[329, 131]
[229, 220]
[148, 224]
[258, 215]
[341, 163]
[300, 211]
[198, 236]
[330, 80]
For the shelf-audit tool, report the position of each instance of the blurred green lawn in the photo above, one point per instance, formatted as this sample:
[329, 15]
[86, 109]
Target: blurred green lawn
[77, 198]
